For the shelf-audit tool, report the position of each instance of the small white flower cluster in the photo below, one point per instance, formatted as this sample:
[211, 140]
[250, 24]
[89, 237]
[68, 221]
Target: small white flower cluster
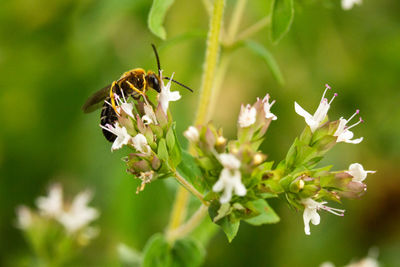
[311, 206]
[342, 133]
[73, 216]
[230, 179]
[248, 113]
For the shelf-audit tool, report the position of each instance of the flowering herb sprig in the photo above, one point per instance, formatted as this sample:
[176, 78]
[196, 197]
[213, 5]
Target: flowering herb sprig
[58, 229]
[238, 180]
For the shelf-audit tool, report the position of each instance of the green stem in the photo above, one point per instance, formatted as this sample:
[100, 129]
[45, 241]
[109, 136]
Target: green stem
[189, 226]
[254, 29]
[209, 68]
[190, 188]
[235, 21]
[211, 60]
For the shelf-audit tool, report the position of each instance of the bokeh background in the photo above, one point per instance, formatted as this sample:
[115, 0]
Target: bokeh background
[54, 54]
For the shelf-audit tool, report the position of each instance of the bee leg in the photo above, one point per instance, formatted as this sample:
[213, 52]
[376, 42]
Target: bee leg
[112, 97]
[135, 89]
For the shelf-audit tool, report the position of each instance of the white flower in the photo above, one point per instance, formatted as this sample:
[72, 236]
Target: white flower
[229, 161]
[247, 116]
[24, 217]
[311, 215]
[192, 134]
[122, 105]
[348, 4]
[267, 108]
[367, 262]
[357, 171]
[343, 132]
[79, 214]
[229, 178]
[140, 144]
[166, 96]
[123, 137]
[52, 205]
[315, 120]
[149, 117]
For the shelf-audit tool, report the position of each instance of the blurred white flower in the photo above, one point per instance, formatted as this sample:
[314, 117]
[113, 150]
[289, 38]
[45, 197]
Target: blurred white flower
[166, 96]
[79, 214]
[52, 205]
[311, 215]
[367, 262]
[149, 117]
[348, 4]
[247, 116]
[314, 121]
[24, 217]
[192, 134]
[267, 108]
[140, 144]
[229, 179]
[343, 132]
[357, 171]
[327, 264]
[229, 161]
[123, 137]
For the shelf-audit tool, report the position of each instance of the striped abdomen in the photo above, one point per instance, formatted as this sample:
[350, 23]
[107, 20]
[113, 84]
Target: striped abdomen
[108, 116]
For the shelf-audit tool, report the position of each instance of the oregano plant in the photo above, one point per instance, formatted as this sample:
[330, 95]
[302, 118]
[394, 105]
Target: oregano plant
[233, 180]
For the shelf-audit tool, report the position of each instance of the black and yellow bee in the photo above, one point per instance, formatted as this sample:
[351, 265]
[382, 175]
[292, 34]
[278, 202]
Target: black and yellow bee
[133, 83]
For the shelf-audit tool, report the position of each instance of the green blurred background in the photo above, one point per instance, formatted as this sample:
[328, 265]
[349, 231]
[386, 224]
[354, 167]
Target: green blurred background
[54, 54]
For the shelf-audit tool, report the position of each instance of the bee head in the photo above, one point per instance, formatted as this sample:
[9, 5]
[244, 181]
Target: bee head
[153, 81]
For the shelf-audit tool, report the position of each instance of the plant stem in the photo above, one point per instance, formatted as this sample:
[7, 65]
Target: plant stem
[178, 213]
[209, 68]
[212, 53]
[235, 21]
[190, 188]
[189, 226]
[254, 28]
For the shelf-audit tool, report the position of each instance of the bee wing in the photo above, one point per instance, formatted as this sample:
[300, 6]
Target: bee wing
[95, 101]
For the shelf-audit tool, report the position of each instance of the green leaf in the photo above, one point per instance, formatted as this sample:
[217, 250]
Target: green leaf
[267, 214]
[191, 172]
[187, 252]
[170, 139]
[222, 212]
[157, 15]
[162, 151]
[229, 227]
[281, 19]
[267, 56]
[157, 252]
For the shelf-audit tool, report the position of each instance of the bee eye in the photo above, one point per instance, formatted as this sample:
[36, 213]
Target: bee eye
[154, 83]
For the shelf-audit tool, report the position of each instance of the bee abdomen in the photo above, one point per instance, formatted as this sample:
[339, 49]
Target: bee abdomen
[108, 116]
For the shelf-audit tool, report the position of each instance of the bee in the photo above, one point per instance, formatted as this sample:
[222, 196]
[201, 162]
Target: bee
[135, 83]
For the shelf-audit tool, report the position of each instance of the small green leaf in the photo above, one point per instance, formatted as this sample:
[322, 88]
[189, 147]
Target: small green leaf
[222, 212]
[157, 252]
[229, 227]
[162, 151]
[190, 171]
[157, 15]
[267, 214]
[187, 252]
[170, 139]
[266, 55]
[282, 18]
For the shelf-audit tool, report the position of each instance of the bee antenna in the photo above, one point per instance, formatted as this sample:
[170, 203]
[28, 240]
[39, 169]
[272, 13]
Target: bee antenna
[157, 58]
[184, 86]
